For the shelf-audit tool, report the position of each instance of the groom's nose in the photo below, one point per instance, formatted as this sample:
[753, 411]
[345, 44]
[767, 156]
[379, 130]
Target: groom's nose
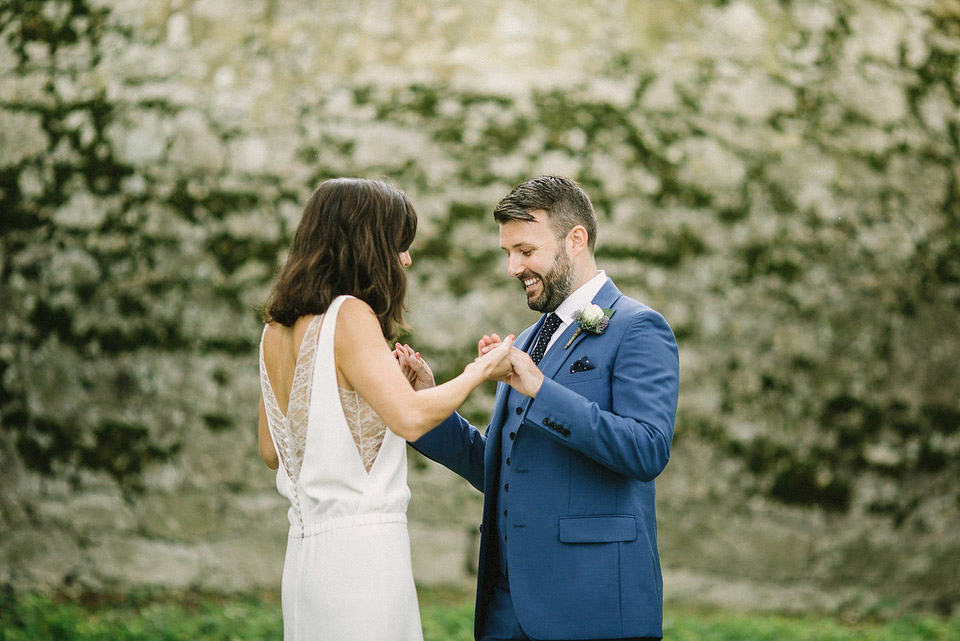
[514, 266]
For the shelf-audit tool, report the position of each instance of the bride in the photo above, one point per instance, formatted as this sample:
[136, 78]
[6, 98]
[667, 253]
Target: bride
[336, 410]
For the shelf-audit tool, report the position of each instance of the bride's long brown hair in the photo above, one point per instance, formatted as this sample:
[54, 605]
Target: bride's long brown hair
[349, 241]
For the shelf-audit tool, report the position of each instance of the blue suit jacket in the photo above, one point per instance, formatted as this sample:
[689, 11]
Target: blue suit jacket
[582, 547]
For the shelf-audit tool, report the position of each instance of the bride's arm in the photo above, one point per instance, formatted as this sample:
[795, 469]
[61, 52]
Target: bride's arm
[369, 366]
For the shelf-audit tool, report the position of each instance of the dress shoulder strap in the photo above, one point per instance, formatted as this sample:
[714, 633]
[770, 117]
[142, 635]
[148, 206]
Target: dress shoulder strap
[329, 328]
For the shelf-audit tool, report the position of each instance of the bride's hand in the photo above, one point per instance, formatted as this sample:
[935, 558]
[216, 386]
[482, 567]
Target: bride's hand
[495, 359]
[487, 343]
[414, 368]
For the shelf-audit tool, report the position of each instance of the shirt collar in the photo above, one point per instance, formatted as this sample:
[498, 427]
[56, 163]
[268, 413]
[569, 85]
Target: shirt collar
[580, 298]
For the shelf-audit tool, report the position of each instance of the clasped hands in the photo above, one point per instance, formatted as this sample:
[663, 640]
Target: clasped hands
[515, 368]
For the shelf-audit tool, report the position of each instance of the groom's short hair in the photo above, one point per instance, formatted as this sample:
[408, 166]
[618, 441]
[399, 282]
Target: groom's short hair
[566, 204]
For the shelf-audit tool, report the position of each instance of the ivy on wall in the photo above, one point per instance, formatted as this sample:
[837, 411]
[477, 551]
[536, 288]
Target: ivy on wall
[804, 243]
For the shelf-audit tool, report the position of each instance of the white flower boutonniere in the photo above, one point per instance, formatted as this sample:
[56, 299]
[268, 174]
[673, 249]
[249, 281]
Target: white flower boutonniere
[591, 318]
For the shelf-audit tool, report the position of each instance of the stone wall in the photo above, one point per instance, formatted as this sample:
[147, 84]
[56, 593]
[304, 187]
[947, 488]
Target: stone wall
[780, 179]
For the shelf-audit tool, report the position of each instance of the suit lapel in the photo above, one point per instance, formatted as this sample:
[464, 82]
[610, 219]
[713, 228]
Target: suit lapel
[608, 295]
[491, 453]
[557, 354]
[492, 450]
[522, 342]
[526, 337]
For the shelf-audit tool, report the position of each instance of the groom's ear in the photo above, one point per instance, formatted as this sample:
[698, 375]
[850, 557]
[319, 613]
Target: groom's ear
[577, 239]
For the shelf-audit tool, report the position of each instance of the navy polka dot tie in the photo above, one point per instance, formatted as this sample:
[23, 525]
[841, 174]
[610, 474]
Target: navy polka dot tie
[549, 327]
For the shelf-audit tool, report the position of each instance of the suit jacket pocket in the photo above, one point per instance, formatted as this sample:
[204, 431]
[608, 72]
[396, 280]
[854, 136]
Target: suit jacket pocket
[567, 378]
[604, 528]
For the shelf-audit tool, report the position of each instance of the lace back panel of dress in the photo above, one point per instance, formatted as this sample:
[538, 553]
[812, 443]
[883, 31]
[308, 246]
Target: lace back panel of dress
[290, 432]
[365, 424]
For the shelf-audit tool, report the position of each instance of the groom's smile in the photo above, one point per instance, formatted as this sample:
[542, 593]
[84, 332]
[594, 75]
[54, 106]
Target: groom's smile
[530, 283]
[536, 289]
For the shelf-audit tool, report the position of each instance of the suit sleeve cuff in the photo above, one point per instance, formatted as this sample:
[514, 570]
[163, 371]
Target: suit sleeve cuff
[546, 411]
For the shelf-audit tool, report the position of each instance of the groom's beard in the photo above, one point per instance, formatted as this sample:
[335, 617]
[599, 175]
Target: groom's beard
[556, 284]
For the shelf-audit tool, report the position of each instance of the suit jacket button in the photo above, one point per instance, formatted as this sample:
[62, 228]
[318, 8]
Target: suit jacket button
[519, 410]
[547, 422]
[513, 435]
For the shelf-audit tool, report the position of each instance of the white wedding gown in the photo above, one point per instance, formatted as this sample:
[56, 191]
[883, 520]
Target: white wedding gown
[347, 574]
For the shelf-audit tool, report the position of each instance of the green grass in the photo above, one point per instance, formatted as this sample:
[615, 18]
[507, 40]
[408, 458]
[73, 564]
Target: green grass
[725, 626]
[447, 616]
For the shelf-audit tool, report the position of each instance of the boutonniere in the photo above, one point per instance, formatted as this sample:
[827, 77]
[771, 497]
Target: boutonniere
[591, 318]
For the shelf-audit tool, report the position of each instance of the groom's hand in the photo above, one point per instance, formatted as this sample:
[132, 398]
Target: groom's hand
[525, 376]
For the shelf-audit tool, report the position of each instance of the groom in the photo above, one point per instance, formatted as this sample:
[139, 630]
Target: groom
[581, 427]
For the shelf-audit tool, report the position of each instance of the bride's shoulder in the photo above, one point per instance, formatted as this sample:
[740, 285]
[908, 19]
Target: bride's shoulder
[274, 331]
[357, 322]
[355, 309]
